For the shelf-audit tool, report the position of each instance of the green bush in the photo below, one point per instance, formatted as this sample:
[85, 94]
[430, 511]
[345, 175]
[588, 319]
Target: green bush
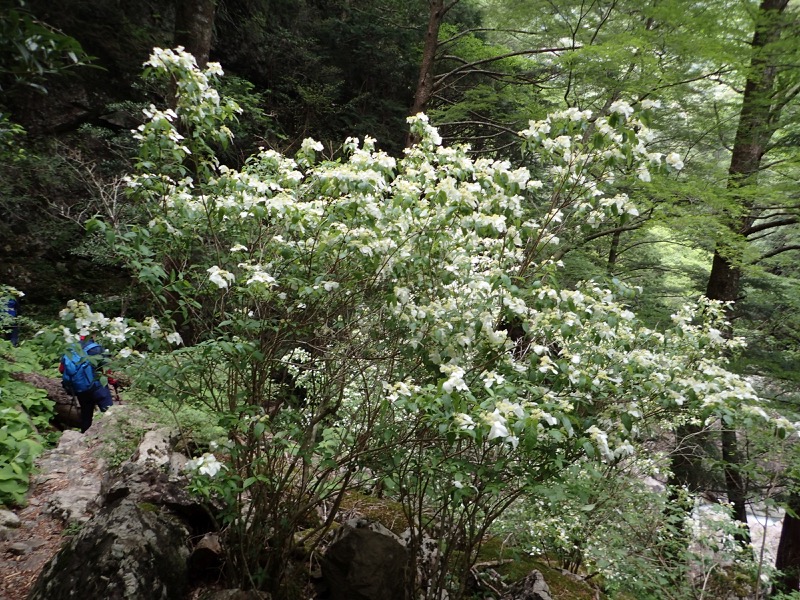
[25, 413]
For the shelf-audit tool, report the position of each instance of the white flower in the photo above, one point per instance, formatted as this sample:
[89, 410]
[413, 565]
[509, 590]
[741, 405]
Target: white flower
[621, 107]
[464, 421]
[214, 68]
[648, 104]
[205, 465]
[455, 381]
[310, 145]
[220, 277]
[563, 141]
[261, 277]
[600, 438]
[153, 328]
[239, 248]
[491, 378]
[175, 338]
[674, 160]
[497, 423]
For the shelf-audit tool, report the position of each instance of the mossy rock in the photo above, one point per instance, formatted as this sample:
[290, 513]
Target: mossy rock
[514, 566]
[386, 512]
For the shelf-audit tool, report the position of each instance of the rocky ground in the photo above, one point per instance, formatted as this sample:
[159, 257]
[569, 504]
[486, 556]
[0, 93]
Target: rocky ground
[66, 490]
[61, 496]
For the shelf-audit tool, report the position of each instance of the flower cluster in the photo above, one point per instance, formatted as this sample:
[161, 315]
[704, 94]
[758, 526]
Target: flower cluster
[207, 464]
[439, 260]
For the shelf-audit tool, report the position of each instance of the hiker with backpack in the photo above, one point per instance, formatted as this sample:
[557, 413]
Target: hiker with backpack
[80, 376]
[12, 312]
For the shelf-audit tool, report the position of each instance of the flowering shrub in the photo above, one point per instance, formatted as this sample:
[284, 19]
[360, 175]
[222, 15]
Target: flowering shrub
[605, 521]
[397, 321]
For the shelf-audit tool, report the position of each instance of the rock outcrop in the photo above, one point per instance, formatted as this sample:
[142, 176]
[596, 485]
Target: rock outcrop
[136, 544]
[533, 587]
[365, 562]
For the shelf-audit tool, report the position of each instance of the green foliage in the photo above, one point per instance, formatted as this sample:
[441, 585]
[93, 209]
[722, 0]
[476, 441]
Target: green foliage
[351, 324]
[255, 127]
[25, 411]
[30, 48]
[9, 138]
[630, 538]
[334, 68]
[484, 105]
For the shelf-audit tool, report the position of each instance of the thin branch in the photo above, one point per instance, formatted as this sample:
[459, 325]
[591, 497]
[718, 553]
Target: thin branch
[598, 234]
[502, 128]
[448, 7]
[461, 34]
[483, 61]
[770, 225]
[777, 251]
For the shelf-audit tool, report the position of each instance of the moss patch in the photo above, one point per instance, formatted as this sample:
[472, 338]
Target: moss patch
[386, 512]
[515, 566]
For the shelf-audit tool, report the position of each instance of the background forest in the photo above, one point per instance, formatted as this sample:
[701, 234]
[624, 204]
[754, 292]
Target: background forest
[577, 274]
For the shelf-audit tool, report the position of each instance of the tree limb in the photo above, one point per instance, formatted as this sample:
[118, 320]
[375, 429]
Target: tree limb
[769, 225]
[777, 251]
[439, 78]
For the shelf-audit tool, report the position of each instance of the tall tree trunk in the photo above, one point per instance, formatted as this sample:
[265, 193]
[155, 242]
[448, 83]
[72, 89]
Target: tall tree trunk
[425, 82]
[734, 482]
[194, 28]
[757, 123]
[613, 252]
[788, 559]
[424, 91]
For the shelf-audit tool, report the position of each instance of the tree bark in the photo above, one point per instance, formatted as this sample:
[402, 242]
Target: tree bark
[613, 252]
[757, 123]
[425, 82]
[734, 482]
[424, 90]
[788, 559]
[194, 28]
[68, 412]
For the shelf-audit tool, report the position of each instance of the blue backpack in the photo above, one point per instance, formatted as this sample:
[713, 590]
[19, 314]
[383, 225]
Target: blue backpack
[78, 376]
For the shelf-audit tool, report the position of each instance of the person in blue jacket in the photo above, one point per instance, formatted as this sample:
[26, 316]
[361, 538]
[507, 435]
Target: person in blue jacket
[93, 392]
[12, 309]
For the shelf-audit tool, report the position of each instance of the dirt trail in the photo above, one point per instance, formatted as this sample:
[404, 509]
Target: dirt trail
[64, 491]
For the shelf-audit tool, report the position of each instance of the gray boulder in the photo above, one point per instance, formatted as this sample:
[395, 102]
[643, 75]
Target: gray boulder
[128, 551]
[364, 564]
[135, 548]
[533, 587]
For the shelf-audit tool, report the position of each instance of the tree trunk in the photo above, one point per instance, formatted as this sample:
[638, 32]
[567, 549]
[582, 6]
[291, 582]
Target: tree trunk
[788, 559]
[424, 90]
[67, 411]
[613, 252]
[734, 482]
[194, 28]
[757, 122]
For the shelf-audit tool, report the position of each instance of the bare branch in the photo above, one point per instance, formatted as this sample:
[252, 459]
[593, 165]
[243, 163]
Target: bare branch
[597, 234]
[770, 225]
[439, 78]
[480, 123]
[777, 251]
